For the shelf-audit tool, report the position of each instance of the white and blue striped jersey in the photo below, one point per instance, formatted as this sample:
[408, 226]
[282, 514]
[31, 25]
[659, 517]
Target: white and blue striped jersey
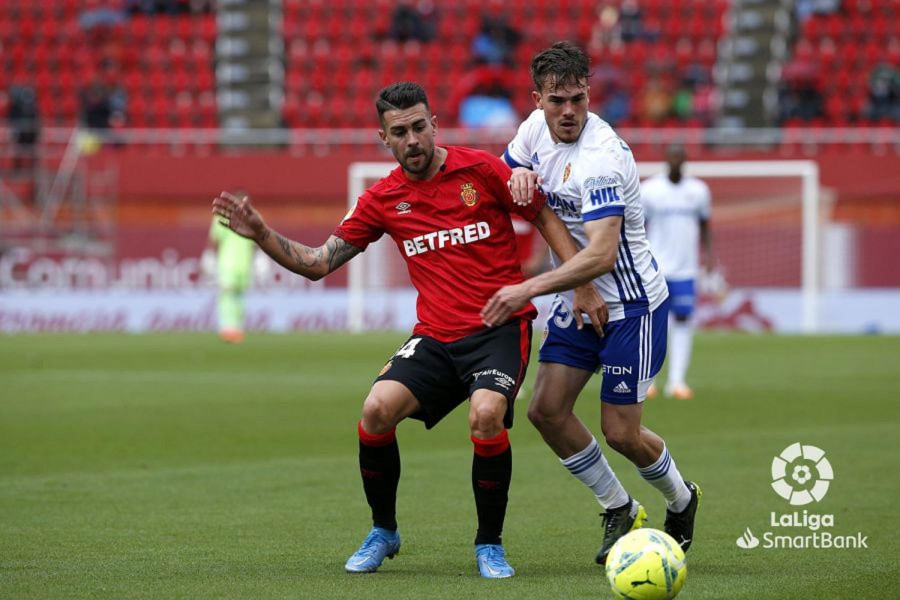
[674, 212]
[592, 178]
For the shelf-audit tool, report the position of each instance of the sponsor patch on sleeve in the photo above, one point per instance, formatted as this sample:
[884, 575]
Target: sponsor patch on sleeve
[601, 191]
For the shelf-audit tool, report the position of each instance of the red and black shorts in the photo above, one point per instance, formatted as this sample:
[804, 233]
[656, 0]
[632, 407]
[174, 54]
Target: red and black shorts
[441, 375]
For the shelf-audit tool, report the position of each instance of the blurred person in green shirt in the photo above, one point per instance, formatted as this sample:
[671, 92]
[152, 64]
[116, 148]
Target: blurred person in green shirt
[230, 257]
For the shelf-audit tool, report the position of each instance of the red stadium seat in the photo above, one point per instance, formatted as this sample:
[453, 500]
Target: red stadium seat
[849, 53]
[290, 112]
[157, 81]
[812, 29]
[208, 29]
[185, 27]
[872, 52]
[295, 81]
[205, 80]
[139, 28]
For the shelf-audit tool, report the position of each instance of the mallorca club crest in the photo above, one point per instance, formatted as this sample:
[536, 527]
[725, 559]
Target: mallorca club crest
[468, 195]
[567, 172]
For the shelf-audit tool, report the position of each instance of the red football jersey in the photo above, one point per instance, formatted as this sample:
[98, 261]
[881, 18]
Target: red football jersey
[455, 233]
[525, 236]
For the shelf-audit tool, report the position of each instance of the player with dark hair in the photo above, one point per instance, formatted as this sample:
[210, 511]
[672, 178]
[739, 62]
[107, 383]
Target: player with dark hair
[448, 210]
[591, 181]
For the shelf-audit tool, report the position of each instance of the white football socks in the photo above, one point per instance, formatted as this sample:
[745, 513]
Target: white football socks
[591, 468]
[681, 336]
[664, 476]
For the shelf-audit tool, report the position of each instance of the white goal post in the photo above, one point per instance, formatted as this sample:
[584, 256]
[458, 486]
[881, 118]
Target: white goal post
[808, 172]
[362, 174]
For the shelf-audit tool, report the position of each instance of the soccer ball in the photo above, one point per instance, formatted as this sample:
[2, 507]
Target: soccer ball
[646, 564]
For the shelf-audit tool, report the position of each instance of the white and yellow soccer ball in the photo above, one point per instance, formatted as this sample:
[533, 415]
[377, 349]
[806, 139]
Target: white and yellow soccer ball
[646, 564]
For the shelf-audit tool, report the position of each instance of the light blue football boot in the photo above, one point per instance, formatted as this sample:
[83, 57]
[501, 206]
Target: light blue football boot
[491, 561]
[380, 543]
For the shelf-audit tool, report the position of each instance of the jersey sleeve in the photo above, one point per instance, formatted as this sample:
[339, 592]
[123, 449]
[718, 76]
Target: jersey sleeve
[703, 210]
[363, 224]
[518, 152]
[601, 189]
[499, 173]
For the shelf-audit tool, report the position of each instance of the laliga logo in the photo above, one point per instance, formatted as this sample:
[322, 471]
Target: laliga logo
[801, 474]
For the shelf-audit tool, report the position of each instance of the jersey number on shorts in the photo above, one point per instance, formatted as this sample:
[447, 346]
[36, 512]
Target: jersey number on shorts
[409, 348]
[562, 317]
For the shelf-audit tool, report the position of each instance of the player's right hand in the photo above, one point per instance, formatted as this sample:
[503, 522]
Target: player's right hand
[588, 301]
[239, 215]
[522, 185]
[504, 303]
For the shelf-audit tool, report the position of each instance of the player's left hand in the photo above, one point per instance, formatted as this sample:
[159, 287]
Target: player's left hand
[589, 302]
[239, 215]
[506, 301]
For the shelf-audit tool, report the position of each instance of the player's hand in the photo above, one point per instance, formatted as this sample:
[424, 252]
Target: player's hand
[506, 301]
[522, 185]
[589, 302]
[239, 215]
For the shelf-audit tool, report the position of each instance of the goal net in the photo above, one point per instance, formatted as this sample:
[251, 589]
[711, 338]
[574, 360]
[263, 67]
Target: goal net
[766, 229]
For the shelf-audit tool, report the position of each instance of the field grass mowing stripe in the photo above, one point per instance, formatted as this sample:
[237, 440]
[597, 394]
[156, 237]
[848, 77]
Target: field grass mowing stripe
[170, 377]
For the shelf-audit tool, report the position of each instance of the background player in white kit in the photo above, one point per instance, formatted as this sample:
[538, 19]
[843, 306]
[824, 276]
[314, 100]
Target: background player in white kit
[591, 181]
[677, 209]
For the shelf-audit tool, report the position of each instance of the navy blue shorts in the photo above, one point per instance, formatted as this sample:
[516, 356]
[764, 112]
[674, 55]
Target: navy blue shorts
[629, 355]
[682, 296]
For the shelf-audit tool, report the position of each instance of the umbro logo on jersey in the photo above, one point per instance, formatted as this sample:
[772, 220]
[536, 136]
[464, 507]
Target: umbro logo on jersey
[622, 388]
[404, 208]
[535, 160]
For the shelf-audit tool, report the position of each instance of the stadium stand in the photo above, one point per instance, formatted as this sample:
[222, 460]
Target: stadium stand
[347, 47]
[850, 59]
[159, 66]
[654, 59]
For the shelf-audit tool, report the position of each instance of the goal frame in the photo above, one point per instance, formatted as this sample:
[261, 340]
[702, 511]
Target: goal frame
[806, 170]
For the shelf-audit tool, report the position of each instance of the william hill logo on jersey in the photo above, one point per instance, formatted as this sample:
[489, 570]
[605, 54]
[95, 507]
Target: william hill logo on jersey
[468, 195]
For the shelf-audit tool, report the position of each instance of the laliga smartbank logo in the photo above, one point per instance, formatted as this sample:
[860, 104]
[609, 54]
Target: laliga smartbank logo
[801, 475]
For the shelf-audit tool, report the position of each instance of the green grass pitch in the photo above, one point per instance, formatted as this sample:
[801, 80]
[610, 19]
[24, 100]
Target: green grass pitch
[174, 466]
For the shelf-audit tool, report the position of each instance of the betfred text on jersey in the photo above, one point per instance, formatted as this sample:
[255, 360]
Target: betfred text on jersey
[447, 237]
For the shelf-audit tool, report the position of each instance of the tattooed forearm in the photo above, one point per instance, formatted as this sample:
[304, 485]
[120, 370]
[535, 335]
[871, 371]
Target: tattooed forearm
[264, 236]
[312, 263]
[339, 252]
[311, 257]
[285, 245]
[304, 256]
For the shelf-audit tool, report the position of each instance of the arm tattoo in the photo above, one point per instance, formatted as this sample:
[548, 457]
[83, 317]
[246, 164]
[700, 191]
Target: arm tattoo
[285, 245]
[304, 256]
[336, 251]
[339, 252]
